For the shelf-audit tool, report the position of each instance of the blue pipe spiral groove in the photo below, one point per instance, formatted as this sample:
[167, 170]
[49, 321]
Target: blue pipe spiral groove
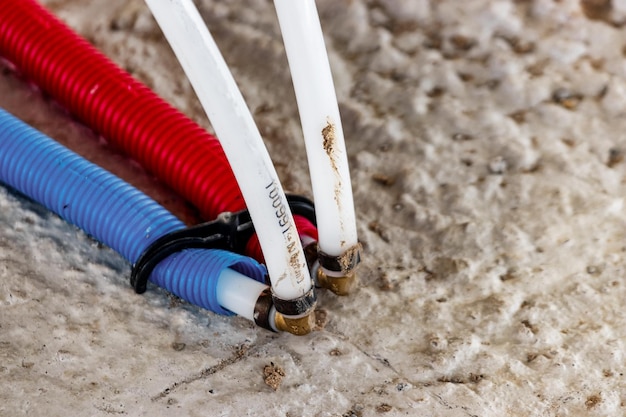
[110, 210]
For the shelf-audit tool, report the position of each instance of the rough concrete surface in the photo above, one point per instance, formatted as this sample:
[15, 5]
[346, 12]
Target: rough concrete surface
[486, 142]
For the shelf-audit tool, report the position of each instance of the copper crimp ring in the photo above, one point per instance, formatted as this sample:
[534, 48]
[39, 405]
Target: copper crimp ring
[262, 310]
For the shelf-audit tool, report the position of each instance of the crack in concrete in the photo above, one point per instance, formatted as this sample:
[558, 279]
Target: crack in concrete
[374, 356]
[240, 353]
[449, 406]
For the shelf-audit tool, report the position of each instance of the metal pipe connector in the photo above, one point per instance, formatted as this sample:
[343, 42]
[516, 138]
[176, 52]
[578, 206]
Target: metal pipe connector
[338, 273]
[295, 316]
[298, 326]
[267, 316]
[340, 285]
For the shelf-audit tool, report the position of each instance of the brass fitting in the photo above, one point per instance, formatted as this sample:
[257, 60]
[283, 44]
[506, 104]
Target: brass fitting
[297, 326]
[340, 285]
[338, 273]
[296, 316]
[266, 316]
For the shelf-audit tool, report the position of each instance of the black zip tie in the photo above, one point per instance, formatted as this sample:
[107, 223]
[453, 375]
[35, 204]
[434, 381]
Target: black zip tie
[230, 231]
[302, 206]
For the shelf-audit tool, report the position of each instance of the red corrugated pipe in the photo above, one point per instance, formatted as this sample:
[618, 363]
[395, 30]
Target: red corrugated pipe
[127, 113]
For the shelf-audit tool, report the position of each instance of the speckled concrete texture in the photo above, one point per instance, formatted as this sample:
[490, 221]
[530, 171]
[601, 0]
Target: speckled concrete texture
[486, 142]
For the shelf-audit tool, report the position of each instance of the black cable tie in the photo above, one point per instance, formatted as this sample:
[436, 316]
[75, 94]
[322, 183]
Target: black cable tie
[302, 206]
[230, 231]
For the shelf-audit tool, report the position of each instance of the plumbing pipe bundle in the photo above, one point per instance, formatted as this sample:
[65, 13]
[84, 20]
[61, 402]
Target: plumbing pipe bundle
[126, 112]
[227, 111]
[128, 221]
[191, 161]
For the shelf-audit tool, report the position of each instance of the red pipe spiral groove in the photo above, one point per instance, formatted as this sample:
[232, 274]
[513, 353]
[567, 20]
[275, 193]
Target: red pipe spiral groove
[127, 113]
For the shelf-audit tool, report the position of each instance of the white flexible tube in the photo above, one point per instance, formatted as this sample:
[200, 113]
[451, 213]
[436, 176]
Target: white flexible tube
[223, 103]
[321, 124]
[238, 293]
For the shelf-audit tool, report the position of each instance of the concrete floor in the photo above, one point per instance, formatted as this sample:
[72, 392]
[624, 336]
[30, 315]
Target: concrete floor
[486, 142]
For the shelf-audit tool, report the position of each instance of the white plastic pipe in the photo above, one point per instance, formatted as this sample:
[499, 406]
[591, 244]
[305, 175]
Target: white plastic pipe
[227, 111]
[321, 124]
[238, 293]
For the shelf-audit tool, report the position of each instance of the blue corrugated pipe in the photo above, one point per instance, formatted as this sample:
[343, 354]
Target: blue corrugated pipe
[112, 211]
